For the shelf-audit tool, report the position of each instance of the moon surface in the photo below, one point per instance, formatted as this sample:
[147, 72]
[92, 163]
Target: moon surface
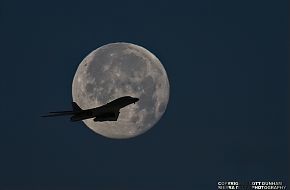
[122, 69]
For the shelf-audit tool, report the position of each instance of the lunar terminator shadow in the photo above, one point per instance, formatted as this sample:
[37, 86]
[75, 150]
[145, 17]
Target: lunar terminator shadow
[107, 112]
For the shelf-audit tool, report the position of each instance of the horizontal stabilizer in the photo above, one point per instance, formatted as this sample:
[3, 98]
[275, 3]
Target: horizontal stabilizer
[61, 113]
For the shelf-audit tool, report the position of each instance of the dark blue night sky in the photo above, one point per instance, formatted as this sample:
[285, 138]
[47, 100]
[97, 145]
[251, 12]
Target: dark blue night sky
[228, 114]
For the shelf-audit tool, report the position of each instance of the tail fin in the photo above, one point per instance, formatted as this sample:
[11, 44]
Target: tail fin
[76, 107]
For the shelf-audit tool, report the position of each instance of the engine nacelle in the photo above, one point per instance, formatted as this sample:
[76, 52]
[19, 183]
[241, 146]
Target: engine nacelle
[106, 117]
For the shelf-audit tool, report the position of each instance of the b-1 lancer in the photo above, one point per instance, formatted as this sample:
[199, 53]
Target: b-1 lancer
[107, 112]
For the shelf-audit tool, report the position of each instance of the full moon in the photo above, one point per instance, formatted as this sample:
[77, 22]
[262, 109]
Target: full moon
[122, 69]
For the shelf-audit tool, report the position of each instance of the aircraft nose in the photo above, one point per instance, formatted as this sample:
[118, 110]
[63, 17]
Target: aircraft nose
[136, 100]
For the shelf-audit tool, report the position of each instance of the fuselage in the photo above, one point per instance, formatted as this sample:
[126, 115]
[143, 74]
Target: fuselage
[107, 112]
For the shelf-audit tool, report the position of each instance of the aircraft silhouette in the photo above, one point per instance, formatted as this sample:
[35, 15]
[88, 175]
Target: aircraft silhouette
[107, 112]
